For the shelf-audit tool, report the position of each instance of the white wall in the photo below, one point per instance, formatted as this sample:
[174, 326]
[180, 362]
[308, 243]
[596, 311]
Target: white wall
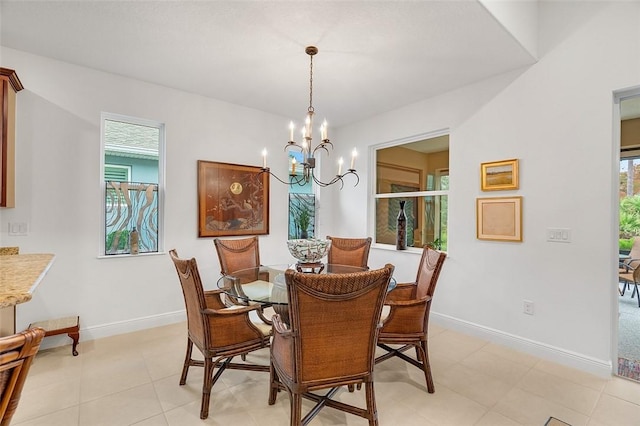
[59, 191]
[556, 117]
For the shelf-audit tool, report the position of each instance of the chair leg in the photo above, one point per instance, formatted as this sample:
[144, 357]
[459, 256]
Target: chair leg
[207, 383]
[424, 353]
[187, 362]
[372, 411]
[273, 385]
[296, 408]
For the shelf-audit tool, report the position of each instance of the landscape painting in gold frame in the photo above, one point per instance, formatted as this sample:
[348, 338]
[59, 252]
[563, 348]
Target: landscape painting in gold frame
[232, 200]
[499, 218]
[499, 175]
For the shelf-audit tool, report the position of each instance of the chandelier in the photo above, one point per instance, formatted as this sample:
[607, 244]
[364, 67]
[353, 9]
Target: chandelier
[309, 153]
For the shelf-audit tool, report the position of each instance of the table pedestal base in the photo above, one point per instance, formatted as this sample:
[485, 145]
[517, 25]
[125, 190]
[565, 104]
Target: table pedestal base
[310, 268]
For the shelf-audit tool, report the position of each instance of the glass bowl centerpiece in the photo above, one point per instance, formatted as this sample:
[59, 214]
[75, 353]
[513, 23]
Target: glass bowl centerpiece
[308, 252]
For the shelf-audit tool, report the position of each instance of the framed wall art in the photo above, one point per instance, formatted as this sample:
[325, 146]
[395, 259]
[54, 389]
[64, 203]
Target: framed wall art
[499, 175]
[499, 218]
[232, 200]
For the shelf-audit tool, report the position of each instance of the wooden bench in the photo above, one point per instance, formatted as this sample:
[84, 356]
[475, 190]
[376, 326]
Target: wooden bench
[68, 325]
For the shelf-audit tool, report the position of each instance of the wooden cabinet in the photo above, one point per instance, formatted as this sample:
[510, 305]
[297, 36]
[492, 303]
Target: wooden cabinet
[10, 85]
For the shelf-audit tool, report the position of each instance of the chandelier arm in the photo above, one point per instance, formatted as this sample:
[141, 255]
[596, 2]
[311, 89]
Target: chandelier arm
[336, 179]
[353, 172]
[323, 145]
[292, 144]
[298, 181]
[318, 181]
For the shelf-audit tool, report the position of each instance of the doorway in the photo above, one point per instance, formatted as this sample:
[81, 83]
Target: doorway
[628, 207]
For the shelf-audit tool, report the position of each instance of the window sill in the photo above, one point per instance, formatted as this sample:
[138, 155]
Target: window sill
[389, 247]
[120, 256]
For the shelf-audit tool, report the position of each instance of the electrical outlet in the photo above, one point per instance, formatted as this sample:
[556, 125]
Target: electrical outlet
[528, 307]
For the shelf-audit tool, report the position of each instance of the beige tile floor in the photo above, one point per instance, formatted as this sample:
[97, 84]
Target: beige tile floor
[132, 379]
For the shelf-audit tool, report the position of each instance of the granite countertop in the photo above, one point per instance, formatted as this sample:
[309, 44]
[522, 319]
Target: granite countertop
[19, 276]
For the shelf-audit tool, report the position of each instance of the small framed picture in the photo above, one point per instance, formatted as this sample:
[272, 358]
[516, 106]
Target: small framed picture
[499, 218]
[499, 175]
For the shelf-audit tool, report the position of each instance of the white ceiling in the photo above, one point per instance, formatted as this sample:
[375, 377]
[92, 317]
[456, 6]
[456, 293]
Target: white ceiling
[374, 56]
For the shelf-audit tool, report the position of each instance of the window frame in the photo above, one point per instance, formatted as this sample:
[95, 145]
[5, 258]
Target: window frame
[104, 116]
[373, 183]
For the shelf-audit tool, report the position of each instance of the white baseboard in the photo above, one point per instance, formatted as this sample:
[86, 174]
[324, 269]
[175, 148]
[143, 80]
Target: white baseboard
[578, 361]
[115, 328]
[575, 360]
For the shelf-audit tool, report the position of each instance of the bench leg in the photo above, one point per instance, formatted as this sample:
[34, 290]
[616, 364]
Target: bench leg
[75, 336]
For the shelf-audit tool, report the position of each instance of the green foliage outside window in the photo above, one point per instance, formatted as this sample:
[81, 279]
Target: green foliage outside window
[629, 221]
[123, 240]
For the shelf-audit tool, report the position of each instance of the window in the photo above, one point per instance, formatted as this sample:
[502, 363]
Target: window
[133, 173]
[418, 174]
[302, 203]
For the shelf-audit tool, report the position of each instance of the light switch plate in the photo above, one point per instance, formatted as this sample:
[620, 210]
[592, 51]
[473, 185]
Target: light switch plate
[18, 229]
[559, 235]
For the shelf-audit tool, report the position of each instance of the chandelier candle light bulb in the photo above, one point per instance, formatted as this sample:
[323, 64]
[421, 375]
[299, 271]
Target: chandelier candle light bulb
[291, 128]
[264, 158]
[340, 161]
[323, 131]
[293, 166]
[354, 154]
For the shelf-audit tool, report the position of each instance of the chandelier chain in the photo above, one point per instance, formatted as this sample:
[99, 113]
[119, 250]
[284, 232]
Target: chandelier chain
[311, 84]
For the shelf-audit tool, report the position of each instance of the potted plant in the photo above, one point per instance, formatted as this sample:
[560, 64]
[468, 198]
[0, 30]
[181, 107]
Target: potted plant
[303, 220]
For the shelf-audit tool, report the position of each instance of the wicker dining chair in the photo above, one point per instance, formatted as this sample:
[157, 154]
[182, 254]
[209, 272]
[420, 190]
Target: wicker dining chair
[219, 332]
[349, 251]
[237, 254]
[331, 340]
[241, 254]
[16, 354]
[630, 277]
[408, 319]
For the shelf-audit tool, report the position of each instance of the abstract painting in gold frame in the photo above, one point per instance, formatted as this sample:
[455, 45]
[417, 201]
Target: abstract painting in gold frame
[232, 200]
[499, 175]
[499, 218]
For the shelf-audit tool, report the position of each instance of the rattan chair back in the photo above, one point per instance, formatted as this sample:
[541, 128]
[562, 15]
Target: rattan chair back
[334, 323]
[349, 251]
[429, 272]
[237, 254]
[16, 354]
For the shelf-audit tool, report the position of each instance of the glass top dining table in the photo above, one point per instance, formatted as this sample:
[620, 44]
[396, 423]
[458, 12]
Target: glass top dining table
[266, 284]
